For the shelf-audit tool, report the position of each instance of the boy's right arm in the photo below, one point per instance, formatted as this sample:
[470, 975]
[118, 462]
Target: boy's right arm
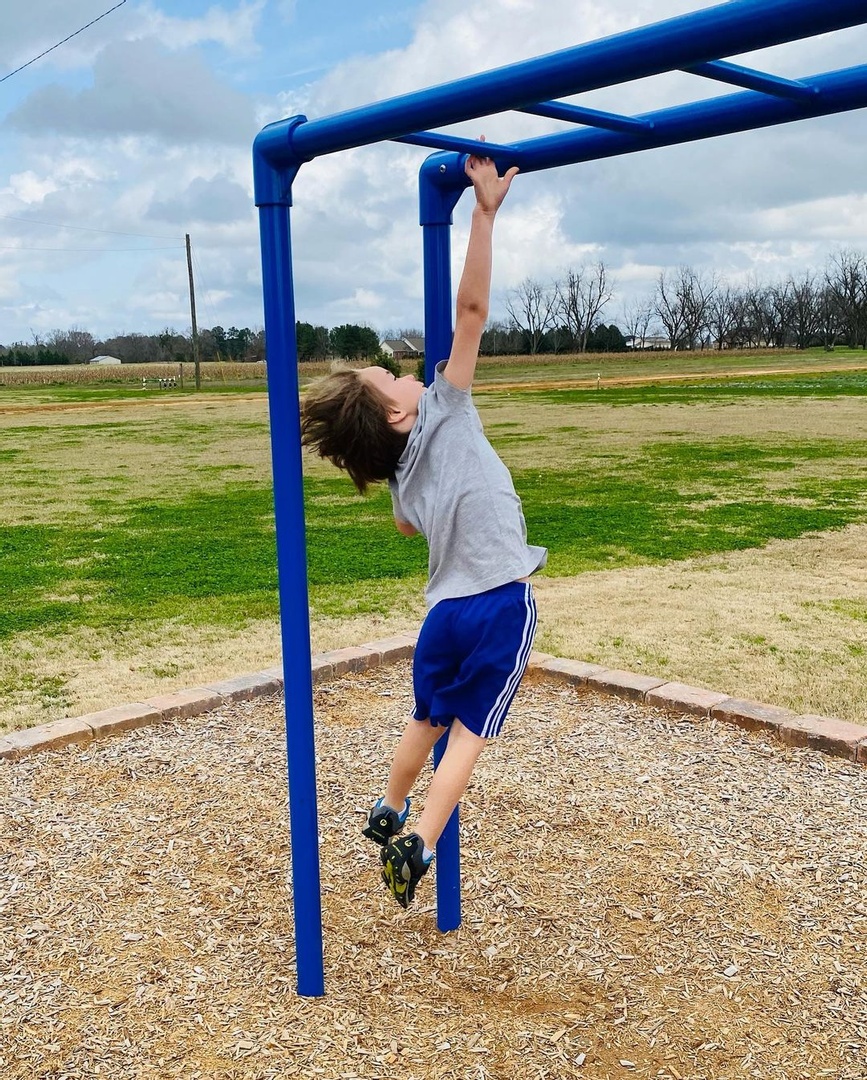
[475, 285]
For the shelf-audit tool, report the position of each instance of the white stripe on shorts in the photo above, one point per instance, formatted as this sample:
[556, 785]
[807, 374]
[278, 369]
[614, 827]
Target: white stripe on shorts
[494, 719]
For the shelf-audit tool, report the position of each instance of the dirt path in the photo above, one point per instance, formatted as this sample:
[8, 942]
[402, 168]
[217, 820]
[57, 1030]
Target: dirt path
[481, 388]
[72, 406]
[637, 380]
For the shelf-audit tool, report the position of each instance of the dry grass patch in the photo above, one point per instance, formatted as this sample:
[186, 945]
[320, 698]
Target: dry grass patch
[131, 374]
[685, 902]
[44, 677]
[606, 429]
[786, 624]
[69, 460]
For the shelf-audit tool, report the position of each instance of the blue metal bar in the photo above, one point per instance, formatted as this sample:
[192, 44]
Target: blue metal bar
[448, 868]
[453, 142]
[839, 91]
[575, 114]
[437, 296]
[435, 218]
[284, 410]
[736, 75]
[724, 30]
[437, 346]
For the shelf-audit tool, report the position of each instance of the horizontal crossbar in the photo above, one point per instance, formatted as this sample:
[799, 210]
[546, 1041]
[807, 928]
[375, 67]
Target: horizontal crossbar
[576, 114]
[754, 80]
[838, 91]
[435, 141]
[685, 42]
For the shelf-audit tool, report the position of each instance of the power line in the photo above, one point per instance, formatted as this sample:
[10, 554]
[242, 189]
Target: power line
[88, 228]
[92, 251]
[59, 43]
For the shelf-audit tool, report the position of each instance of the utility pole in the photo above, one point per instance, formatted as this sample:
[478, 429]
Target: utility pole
[193, 315]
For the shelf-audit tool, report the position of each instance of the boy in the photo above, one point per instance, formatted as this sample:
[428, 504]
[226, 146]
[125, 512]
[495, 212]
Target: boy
[448, 484]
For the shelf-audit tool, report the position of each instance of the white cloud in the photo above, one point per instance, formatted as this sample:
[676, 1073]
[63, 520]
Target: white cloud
[27, 187]
[140, 89]
[152, 113]
[233, 28]
[29, 29]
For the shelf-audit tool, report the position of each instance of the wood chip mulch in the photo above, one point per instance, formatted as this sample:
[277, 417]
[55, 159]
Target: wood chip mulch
[643, 896]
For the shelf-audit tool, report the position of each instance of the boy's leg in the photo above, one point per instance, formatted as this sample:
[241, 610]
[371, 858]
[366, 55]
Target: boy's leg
[410, 756]
[403, 860]
[449, 782]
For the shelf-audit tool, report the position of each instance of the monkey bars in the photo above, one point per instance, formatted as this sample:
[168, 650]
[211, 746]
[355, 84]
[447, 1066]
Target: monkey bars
[697, 43]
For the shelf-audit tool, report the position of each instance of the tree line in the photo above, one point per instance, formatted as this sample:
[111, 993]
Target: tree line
[688, 309]
[78, 346]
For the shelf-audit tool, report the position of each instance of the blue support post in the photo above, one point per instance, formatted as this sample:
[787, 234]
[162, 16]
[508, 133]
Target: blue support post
[440, 187]
[273, 197]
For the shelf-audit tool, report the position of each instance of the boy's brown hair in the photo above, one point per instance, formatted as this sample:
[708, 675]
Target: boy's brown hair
[345, 419]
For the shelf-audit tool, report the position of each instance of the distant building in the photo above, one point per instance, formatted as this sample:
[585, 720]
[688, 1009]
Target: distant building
[648, 343]
[105, 360]
[403, 348]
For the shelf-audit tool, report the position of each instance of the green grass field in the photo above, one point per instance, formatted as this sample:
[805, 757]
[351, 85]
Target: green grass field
[140, 516]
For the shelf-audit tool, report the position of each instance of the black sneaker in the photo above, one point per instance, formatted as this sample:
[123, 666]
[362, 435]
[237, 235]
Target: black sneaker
[403, 867]
[383, 823]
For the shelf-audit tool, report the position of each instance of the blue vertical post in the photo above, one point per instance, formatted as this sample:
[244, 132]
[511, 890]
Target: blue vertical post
[274, 199]
[437, 199]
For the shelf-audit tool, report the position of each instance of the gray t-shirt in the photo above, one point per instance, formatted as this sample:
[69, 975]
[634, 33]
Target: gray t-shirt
[451, 486]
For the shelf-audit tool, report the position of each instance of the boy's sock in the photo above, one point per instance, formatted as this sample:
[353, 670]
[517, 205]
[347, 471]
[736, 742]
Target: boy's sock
[427, 854]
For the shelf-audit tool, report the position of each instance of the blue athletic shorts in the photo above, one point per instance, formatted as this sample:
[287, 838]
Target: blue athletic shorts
[470, 656]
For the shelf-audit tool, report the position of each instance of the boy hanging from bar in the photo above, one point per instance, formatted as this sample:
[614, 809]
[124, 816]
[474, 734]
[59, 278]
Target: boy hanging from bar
[448, 484]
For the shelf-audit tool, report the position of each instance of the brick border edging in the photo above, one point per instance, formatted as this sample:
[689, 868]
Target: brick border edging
[200, 699]
[827, 734]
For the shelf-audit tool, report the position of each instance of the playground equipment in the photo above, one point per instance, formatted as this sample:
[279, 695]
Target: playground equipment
[697, 43]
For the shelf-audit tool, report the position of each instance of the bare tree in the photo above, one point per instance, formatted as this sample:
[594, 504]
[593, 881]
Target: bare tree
[668, 307]
[497, 339]
[77, 344]
[726, 316]
[829, 318]
[758, 315]
[846, 280]
[781, 310]
[581, 298]
[637, 316]
[697, 292]
[683, 304]
[806, 310]
[532, 308]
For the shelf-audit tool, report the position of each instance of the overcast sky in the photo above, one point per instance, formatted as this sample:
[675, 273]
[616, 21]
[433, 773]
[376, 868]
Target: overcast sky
[139, 130]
